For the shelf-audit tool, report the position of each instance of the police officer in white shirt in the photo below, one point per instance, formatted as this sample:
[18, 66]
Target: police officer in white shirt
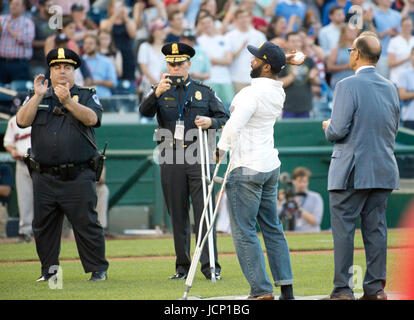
[252, 183]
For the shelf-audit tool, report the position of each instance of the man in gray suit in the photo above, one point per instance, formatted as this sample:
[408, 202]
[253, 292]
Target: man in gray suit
[363, 170]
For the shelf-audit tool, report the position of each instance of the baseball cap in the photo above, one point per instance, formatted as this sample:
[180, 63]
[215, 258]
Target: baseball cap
[271, 54]
[60, 38]
[77, 7]
[168, 2]
[188, 34]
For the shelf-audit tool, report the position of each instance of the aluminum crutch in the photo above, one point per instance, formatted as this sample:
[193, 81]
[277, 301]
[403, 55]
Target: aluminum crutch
[199, 246]
[205, 165]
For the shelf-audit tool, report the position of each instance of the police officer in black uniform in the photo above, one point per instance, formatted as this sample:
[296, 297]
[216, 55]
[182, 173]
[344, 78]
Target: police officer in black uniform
[61, 162]
[177, 102]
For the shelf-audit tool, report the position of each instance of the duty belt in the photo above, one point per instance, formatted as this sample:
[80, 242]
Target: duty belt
[67, 171]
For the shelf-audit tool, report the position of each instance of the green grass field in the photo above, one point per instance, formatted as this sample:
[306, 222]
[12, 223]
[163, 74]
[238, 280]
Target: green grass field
[139, 269]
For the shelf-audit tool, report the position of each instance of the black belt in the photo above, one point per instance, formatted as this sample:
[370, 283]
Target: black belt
[64, 172]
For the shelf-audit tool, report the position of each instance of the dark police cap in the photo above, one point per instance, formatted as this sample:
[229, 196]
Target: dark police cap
[271, 54]
[63, 55]
[177, 52]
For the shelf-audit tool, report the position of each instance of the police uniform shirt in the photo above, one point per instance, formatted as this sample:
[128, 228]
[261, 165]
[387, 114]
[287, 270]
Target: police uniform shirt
[55, 139]
[201, 100]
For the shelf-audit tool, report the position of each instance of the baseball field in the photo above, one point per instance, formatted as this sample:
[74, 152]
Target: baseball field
[139, 269]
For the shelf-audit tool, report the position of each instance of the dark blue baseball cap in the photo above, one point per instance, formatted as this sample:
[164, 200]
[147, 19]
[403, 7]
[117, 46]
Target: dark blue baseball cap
[271, 54]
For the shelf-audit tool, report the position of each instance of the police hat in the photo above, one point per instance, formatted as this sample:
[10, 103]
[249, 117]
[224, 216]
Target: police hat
[177, 52]
[63, 55]
[271, 54]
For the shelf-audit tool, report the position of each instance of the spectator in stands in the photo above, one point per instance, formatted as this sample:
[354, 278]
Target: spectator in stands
[42, 31]
[276, 31]
[338, 60]
[66, 5]
[220, 55]
[6, 185]
[408, 10]
[200, 64]
[108, 49]
[16, 142]
[329, 34]
[263, 8]
[175, 20]
[193, 6]
[309, 204]
[150, 57]
[344, 4]
[144, 12]
[102, 69]
[399, 50]
[83, 25]
[368, 17]
[244, 34]
[297, 81]
[123, 30]
[405, 87]
[294, 12]
[207, 9]
[387, 22]
[17, 33]
[68, 29]
[258, 23]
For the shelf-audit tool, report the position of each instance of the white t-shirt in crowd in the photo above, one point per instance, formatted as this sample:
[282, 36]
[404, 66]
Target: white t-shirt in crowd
[216, 47]
[240, 68]
[154, 59]
[401, 49]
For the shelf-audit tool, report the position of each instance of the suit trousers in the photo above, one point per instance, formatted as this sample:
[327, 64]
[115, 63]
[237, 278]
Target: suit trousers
[345, 207]
[179, 183]
[75, 199]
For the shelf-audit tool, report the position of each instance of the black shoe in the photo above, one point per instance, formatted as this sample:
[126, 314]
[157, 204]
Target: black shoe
[46, 277]
[179, 276]
[208, 276]
[98, 276]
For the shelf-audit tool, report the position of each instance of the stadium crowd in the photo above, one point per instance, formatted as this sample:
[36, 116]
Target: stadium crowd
[120, 43]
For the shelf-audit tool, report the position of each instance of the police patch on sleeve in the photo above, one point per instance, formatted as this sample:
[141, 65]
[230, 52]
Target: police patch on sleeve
[96, 99]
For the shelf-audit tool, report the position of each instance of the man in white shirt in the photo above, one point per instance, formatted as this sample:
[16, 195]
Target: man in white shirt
[252, 182]
[16, 142]
[244, 34]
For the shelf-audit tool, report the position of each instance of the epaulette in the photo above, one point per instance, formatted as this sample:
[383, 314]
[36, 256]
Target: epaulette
[202, 84]
[91, 89]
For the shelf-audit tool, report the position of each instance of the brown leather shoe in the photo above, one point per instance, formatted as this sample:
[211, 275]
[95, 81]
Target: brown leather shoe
[266, 296]
[340, 296]
[380, 295]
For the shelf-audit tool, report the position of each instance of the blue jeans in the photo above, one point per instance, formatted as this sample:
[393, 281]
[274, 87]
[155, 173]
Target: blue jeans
[252, 197]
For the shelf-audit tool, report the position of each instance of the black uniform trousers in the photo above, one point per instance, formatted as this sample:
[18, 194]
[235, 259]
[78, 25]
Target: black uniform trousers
[179, 182]
[54, 198]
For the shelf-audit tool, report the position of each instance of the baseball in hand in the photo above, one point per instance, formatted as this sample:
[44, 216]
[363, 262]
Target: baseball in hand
[299, 57]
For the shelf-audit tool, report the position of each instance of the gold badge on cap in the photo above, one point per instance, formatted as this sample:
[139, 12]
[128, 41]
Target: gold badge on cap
[198, 95]
[174, 48]
[75, 98]
[61, 53]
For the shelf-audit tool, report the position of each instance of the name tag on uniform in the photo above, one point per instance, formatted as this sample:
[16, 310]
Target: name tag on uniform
[45, 106]
[179, 130]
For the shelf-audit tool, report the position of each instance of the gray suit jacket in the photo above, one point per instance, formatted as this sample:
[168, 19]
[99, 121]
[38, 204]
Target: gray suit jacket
[364, 125]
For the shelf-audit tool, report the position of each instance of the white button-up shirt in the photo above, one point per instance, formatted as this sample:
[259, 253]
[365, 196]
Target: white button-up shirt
[249, 131]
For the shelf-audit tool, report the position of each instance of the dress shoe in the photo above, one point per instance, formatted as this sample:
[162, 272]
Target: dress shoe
[340, 296]
[179, 276]
[218, 276]
[98, 276]
[380, 295]
[46, 277]
[266, 296]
